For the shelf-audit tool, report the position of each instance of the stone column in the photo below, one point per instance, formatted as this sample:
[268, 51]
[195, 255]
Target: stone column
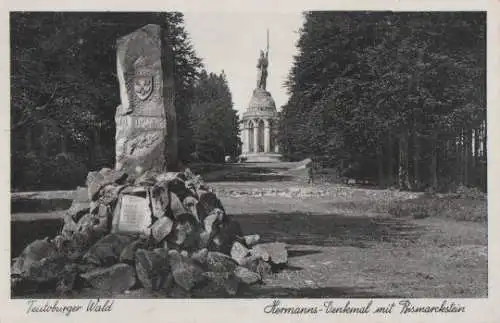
[248, 139]
[267, 136]
[243, 138]
[256, 136]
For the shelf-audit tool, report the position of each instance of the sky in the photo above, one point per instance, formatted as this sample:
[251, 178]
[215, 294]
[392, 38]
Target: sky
[231, 41]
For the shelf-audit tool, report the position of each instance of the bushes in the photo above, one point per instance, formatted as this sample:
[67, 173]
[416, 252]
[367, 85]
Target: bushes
[60, 172]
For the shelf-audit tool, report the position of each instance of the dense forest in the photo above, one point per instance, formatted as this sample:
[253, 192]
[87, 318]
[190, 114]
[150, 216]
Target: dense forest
[398, 99]
[64, 92]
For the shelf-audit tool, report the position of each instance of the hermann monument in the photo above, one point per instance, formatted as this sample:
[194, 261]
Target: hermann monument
[260, 120]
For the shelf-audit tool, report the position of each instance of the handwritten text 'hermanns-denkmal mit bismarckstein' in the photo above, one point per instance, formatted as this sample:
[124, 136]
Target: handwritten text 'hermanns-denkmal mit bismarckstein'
[368, 307]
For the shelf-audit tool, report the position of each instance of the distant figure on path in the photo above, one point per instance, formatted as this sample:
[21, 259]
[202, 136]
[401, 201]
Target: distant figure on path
[310, 173]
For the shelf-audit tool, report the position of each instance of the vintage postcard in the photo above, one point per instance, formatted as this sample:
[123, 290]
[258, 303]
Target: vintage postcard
[212, 163]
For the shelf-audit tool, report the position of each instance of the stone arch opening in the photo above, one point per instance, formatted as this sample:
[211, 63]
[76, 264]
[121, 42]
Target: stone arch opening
[260, 136]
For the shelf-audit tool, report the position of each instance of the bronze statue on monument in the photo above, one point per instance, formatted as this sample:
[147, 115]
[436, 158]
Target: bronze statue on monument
[262, 65]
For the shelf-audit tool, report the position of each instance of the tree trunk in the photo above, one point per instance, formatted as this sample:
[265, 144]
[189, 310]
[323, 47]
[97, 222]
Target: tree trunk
[416, 160]
[64, 144]
[467, 155]
[458, 158]
[476, 148]
[485, 136]
[29, 139]
[95, 147]
[434, 164]
[380, 162]
[485, 159]
[404, 183]
[390, 162]
[44, 142]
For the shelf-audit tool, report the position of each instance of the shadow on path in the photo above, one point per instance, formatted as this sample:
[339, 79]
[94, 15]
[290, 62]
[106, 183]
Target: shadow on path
[295, 228]
[299, 253]
[247, 173]
[326, 229]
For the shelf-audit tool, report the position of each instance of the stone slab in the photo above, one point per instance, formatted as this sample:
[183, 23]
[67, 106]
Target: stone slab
[141, 121]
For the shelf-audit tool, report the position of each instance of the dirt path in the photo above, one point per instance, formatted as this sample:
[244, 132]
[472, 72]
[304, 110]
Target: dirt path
[357, 255]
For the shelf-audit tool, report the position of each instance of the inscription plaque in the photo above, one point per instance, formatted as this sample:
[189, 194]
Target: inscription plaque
[133, 215]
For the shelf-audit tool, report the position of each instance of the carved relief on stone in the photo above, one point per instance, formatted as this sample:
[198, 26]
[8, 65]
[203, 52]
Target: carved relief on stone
[143, 142]
[143, 87]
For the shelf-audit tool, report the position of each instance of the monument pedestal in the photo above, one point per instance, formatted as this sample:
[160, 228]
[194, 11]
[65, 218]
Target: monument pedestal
[261, 157]
[259, 129]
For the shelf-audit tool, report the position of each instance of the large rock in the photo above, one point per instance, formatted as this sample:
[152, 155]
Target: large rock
[247, 276]
[152, 267]
[107, 250]
[212, 219]
[260, 252]
[67, 280]
[128, 253]
[95, 181]
[117, 278]
[109, 193]
[76, 246]
[190, 203]
[98, 180]
[208, 201]
[178, 187]
[239, 252]
[176, 207]
[70, 226]
[258, 265]
[33, 253]
[252, 239]
[218, 262]
[276, 252]
[161, 228]
[186, 232]
[141, 121]
[102, 218]
[186, 272]
[200, 256]
[225, 282]
[229, 231]
[80, 204]
[47, 269]
[160, 199]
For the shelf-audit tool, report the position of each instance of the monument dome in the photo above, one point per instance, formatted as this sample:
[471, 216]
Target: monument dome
[260, 120]
[261, 101]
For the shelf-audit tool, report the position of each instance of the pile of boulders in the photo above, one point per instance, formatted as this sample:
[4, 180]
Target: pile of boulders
[182, 242]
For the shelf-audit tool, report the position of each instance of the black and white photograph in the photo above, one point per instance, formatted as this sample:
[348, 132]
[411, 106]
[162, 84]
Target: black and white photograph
[248, 155]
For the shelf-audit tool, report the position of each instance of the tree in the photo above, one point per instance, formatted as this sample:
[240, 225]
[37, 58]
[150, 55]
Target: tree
[64, 91]
[215, 122]
[386, 92]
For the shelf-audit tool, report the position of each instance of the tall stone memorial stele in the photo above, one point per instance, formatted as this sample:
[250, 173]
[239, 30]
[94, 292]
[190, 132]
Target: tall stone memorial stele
[259, 122]
[145, 92]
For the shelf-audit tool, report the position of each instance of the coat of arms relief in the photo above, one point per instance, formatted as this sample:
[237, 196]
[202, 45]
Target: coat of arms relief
[143, 87]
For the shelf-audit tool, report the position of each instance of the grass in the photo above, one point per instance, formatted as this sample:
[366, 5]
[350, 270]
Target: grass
[453, 207]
